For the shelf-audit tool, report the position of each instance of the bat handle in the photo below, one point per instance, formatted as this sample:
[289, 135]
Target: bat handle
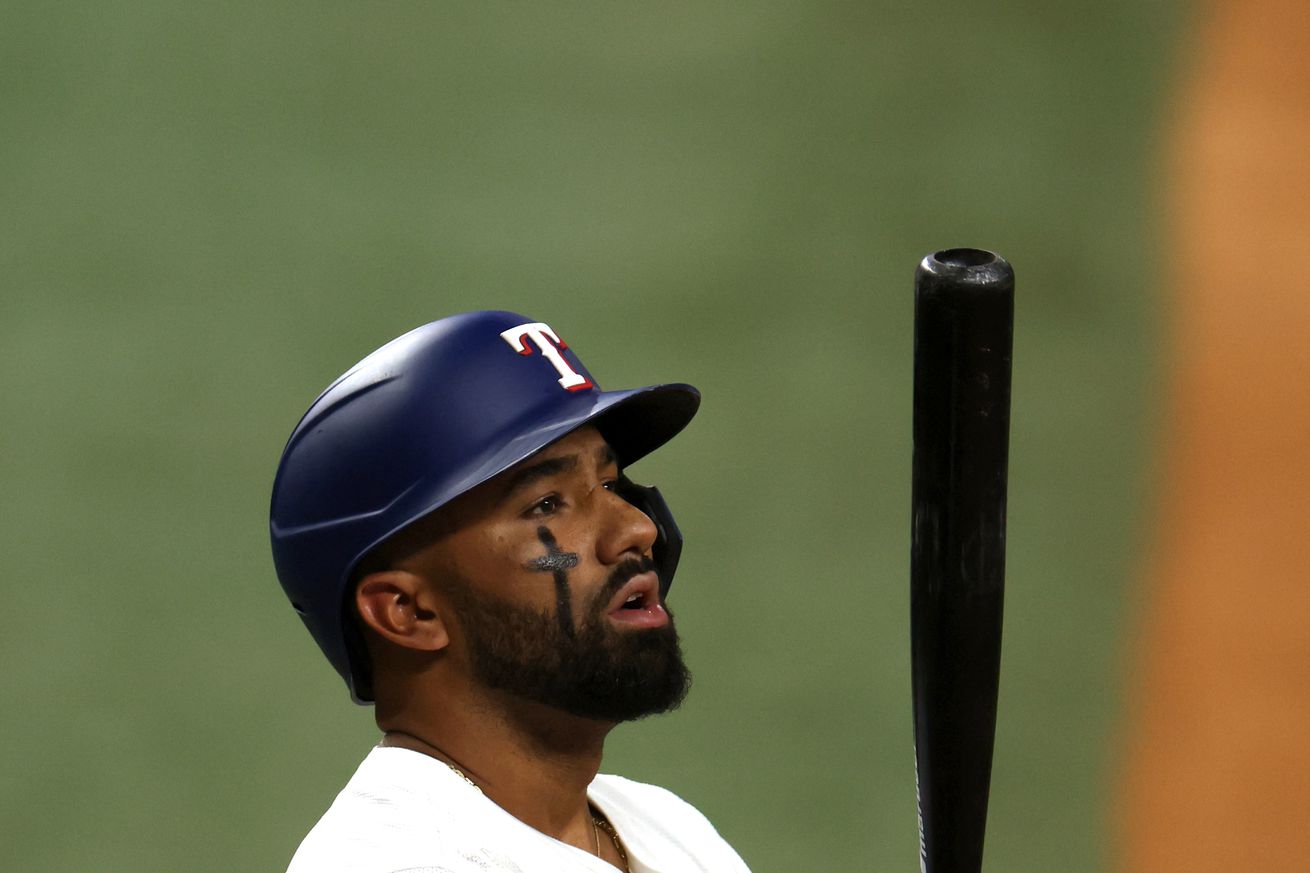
[964, 325]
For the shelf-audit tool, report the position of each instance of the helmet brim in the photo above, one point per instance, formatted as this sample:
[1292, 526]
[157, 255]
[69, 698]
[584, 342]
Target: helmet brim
[638, 422]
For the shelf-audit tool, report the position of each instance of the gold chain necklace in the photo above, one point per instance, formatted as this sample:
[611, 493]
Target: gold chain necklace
[461, 774]
[599, 824]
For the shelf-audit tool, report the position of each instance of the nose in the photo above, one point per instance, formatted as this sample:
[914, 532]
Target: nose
[627, 532]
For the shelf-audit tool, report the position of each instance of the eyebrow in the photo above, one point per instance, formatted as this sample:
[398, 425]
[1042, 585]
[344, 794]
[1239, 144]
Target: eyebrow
[548, 467]
[525, 476]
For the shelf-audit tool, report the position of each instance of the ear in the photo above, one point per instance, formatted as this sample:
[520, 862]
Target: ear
[400, 607]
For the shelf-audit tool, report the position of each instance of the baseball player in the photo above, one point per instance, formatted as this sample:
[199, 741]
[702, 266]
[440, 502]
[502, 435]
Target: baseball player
[452, 522]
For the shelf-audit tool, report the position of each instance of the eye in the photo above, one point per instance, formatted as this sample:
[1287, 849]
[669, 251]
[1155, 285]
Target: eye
[548, 505]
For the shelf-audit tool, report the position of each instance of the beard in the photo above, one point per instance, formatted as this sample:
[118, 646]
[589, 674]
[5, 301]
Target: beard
[591, 669]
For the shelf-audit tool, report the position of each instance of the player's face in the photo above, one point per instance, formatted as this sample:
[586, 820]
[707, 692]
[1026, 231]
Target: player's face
[554, 595]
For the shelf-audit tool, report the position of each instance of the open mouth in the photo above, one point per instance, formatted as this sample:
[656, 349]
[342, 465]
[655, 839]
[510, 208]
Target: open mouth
[638, 603]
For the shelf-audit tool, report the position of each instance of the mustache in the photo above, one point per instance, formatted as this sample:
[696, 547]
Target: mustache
[622, 573]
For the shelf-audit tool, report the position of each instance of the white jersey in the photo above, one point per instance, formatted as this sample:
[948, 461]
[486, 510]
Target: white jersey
[405, 812]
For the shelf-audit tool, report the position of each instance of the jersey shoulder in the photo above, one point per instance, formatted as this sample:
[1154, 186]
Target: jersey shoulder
[392, 817]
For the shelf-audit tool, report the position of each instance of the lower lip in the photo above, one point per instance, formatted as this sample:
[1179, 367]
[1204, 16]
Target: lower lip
[647, 616]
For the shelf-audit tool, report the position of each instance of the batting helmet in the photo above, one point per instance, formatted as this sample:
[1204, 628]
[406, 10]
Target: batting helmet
[427, 417]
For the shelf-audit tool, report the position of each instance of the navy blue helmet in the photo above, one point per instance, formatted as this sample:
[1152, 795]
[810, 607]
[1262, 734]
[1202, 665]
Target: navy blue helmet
[427, 417]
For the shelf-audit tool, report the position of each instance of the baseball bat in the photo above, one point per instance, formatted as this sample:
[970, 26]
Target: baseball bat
[963, 334]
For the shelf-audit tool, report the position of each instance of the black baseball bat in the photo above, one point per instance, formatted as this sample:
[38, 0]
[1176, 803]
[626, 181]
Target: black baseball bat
[963, 334]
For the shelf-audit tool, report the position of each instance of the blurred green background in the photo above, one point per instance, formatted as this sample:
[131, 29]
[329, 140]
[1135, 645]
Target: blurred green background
[211, 210]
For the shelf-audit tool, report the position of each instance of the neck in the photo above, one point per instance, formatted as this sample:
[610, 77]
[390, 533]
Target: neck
[533, 761]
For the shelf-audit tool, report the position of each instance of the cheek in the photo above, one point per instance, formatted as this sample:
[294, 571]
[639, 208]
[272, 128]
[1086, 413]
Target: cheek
[491, 561]
[519, 565]
[519, 562]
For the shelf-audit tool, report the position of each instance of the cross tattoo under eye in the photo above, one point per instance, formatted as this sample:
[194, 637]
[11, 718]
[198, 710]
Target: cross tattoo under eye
[557, 562]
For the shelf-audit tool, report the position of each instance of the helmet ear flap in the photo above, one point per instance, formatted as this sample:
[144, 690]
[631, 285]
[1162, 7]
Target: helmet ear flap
[668, 541]
[360, 678]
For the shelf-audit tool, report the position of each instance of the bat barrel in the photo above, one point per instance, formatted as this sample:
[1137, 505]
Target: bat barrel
[963, 334]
